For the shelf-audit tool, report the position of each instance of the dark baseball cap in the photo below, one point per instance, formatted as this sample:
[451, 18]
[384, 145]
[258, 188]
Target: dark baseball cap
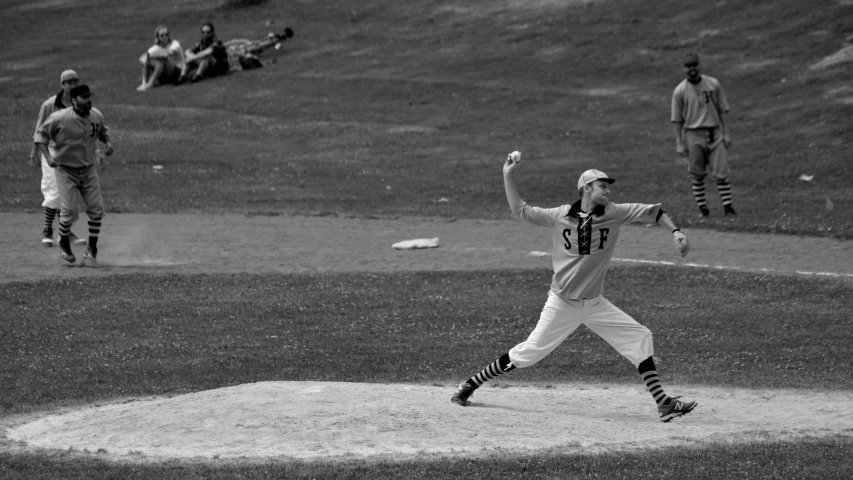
[691, 59]
[80, 90]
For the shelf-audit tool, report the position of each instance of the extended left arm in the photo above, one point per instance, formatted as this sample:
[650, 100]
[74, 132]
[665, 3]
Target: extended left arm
[678, 236]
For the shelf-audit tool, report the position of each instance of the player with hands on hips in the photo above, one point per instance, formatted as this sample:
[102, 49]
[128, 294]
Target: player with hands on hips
[584, 237]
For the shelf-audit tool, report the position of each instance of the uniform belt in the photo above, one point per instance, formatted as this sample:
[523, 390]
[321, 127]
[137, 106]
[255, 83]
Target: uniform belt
[75, 169]
[703, 128]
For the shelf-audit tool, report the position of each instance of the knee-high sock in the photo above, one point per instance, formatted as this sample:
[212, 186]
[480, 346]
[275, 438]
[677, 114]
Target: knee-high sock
[49, 215]
[498, 367]
[725, 190]
[650, 378]
[699, 192]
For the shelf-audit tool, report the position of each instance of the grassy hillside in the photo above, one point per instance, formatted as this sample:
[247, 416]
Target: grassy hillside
[385, 108]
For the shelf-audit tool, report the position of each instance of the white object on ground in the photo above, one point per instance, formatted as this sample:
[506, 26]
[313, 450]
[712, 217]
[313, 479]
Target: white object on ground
[806, 178]
[416, 243]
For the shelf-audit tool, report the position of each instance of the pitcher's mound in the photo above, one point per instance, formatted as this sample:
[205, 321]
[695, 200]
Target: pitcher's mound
[314, 420]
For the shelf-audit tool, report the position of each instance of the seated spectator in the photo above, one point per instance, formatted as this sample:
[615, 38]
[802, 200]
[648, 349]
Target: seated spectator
[162, 63]
[208, 58]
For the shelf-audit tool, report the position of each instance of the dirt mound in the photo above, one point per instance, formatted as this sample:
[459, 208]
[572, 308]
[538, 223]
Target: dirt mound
[319, 420]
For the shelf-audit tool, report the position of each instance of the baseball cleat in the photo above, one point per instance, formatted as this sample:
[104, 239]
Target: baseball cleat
[65, 251]
[90, 257]
[463, 393]
[729, 210]
[47, 237]
[75, 239]
[675, 408]
[704, 212]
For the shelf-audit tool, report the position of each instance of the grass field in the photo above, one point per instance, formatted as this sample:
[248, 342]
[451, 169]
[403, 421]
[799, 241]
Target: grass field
[384, 108]
[381, 108]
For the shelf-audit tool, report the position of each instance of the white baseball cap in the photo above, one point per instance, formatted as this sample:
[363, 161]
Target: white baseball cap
[593, 175]
[68, 75]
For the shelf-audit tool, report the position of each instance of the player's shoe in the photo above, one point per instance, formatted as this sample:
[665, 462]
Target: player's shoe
[65, 251]
[47, 237]
[463, 393]
[90, 257]
[75, 239]
[704, 212]
[729, 210]
[675, 408]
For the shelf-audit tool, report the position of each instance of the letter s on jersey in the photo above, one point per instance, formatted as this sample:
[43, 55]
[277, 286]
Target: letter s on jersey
[567, 234]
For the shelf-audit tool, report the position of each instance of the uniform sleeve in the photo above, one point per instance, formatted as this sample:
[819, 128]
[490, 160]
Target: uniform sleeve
[638, 212]
[44, 132]
[677, 105]
[42, 117]
[543, 217]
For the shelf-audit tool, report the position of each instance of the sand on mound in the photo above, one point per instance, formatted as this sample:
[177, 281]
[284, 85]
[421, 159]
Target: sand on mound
[327, 420]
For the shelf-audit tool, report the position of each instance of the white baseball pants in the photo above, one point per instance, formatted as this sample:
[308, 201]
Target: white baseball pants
[560, 318]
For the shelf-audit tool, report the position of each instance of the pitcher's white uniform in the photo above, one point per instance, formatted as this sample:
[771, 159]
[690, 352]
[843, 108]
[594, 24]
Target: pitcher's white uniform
[582, 248]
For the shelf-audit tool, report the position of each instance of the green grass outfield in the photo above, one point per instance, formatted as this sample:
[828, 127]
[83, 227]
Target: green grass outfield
[381, 108]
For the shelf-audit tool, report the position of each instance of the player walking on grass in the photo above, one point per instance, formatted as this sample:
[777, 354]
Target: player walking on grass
[74, 131]
[584, 237]
[700, 120]
[68, 79]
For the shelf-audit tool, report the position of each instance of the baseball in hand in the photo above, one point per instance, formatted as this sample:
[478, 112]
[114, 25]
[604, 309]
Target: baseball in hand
[515, 156]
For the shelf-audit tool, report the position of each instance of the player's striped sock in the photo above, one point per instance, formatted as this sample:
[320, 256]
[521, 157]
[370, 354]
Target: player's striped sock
[498, 367]
[725, 189]
[650, 378]
[94, 228]
[64, 228]
[699, 193]
[49, 215]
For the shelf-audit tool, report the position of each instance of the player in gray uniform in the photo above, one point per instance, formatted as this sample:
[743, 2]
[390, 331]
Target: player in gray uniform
[68, 79]
[699, 114]
[75, 131]
[584, 236]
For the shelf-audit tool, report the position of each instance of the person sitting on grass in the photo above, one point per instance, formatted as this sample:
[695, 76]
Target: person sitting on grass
[162, 63]
[208, 58]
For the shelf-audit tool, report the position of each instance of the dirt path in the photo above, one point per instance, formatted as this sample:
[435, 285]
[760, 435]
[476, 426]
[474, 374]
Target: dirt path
[322, 420]
[235, 243]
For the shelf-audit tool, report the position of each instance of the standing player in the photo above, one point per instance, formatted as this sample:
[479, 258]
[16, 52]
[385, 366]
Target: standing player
[68, 79]
[74, 131]
[584, 236]
[700, 120]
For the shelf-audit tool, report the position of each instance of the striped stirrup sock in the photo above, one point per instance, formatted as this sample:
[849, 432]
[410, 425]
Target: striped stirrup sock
[49, 215]
[498, 367]
[725, 190]
[699, 192]
[94, 228]
[650, 378]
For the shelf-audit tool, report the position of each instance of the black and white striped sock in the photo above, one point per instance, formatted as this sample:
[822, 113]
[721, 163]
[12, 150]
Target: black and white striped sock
[725, 190]
[49, 215]
[64, 228]
[650, 378]
[94, 228]
[498, 367]
[699, 193]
